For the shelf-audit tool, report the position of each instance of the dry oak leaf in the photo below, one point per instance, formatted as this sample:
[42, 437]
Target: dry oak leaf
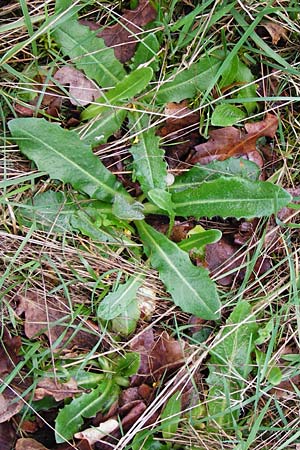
[122, 36]
[230, 141]
[275, 30]
[82, 90]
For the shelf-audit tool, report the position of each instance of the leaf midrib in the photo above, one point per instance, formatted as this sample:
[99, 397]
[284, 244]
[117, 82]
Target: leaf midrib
[71, 162]
[169, 262]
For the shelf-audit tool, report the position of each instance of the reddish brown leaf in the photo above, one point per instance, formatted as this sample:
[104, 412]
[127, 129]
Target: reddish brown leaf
[82, 90]
[275, 30]
[122, 36]
[180, 128]
[220, 259]
[29, 444]
[7, 436]
[59, 391]
[133, 415]
[9, 405]
[159, 354]
[9, 350]
[230, 141]
[42, 313]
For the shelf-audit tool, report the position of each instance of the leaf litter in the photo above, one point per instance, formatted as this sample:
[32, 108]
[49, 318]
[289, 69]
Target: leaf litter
[160, 354]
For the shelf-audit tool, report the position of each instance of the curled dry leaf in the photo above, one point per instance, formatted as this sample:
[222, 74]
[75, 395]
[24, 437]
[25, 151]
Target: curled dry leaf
[159, 354]
[59, 391]
[230, 141]
[122, 36]
[82, 90]
[29, 444]
[275, 30]
[92, 435]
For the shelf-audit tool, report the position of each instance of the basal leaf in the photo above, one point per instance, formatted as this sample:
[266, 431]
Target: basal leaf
[226, 115]
[115, 303]
[171, 416]
[231, 197]
[162, 199]
[131, 85]
[187, 83]
[147, 50]
[126, 323]
[230, 364]
[190, 286]
[99, 130]
[231, 167]
[70, 418]
[126, 209]
[128, 364]
[65, 157]
[149, 165]
[245, 75]
[50, 210]
[89, 53]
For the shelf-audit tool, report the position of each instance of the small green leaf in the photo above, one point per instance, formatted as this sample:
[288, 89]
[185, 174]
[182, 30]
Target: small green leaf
[127, 209]
[128, 364]
[170, 416]
[190, 286]
[231, 197]
[230, 364]
[149, 165]
[244, 75]
[89, 53]
[200, 240]
[115, 303]
[226, 115]
[231, 167]
[65, 157]
[70, 418]
[274, 375]
[131, 85]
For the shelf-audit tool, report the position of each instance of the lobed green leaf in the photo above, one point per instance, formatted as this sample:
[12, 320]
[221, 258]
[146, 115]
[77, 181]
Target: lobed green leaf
[65, 157]
[190, 286]
[231, 197]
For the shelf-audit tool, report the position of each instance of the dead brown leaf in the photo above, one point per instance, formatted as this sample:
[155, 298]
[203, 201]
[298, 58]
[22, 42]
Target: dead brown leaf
[230, 141]
[159, 354]
[220, 259]
[122, 36]
[9, 350]
[29, 444]
[7, 436]
[92, 435]
[275, 30]
[9, 405]
[59, 391]
[181, 127]
[46, 315]
[82, 90]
